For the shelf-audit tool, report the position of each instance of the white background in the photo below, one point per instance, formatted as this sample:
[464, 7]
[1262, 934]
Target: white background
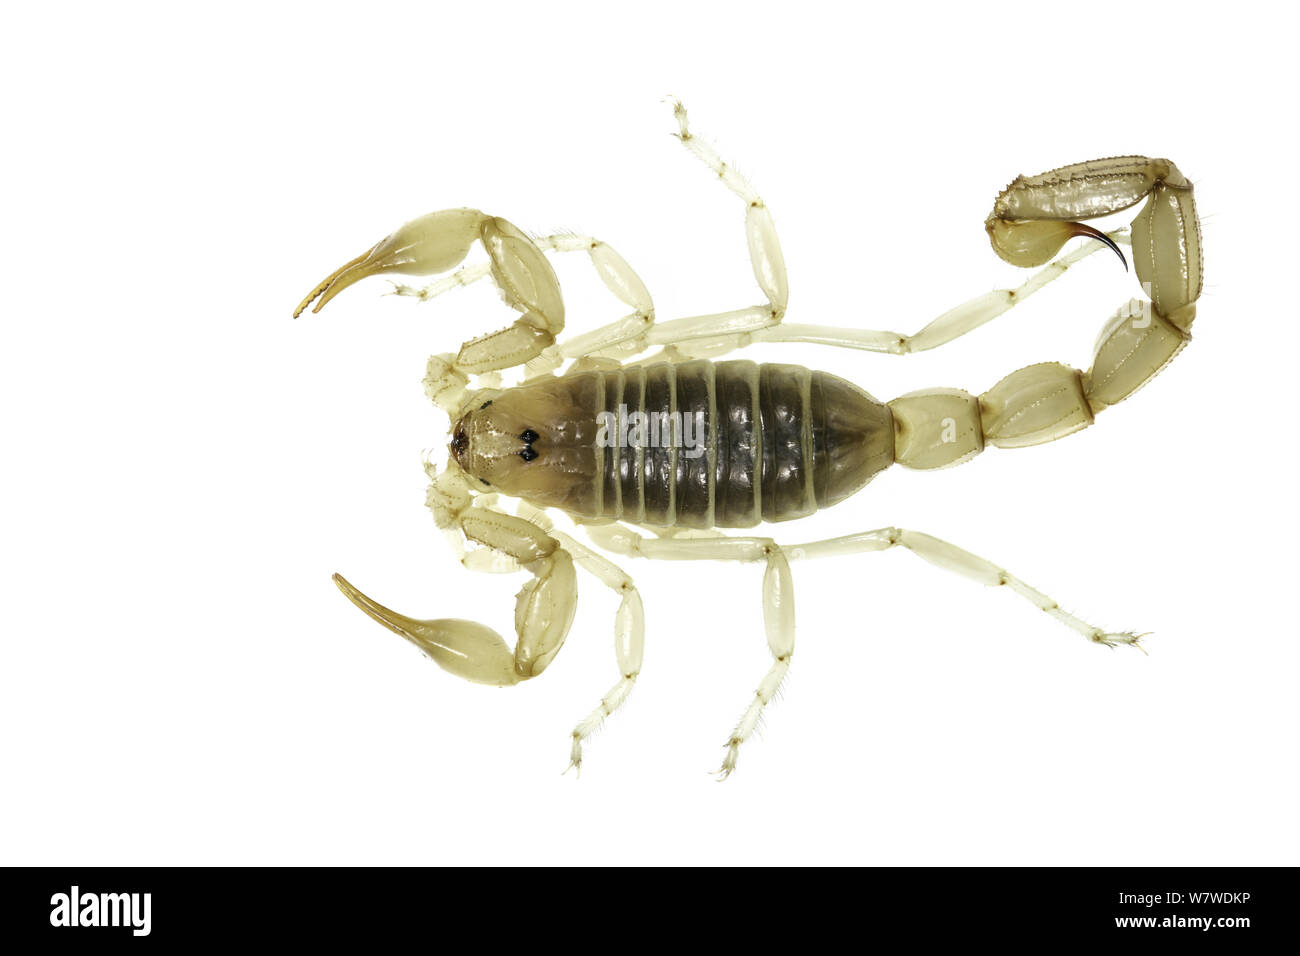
[185, 466]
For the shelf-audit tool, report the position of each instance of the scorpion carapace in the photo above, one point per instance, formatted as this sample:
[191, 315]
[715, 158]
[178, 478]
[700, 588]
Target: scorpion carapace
[685, 445]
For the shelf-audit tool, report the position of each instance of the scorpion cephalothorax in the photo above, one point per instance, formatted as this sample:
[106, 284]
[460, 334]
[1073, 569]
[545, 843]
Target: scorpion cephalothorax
[684, 444]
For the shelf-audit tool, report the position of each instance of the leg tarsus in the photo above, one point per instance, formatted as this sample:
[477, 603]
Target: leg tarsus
[729, 761]
[1115, 639]
[575, 757]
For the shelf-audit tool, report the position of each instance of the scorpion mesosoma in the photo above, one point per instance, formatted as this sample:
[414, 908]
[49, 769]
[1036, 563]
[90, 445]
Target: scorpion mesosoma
[778, 441]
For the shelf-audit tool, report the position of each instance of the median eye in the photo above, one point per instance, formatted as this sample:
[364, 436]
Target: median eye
[529, 436]
[528, 454]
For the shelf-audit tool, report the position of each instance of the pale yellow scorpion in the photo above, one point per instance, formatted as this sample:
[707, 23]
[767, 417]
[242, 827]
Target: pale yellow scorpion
[682, 444]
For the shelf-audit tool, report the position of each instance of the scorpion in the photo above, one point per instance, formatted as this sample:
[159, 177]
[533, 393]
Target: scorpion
[778, 442]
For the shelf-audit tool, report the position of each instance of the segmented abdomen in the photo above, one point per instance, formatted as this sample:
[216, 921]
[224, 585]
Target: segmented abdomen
[779, 442]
